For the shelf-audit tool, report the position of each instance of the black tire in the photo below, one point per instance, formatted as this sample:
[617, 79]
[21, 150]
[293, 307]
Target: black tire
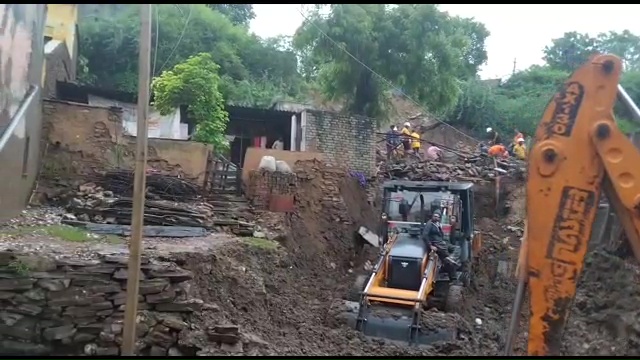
[455, 299]
[357, 287]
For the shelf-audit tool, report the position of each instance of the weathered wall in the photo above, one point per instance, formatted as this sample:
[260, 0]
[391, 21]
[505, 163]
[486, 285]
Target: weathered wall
[57, 67]
[82, 138]
[69, 306]
[20, 54]
[21, 58]
[343, 139]
[254, 155]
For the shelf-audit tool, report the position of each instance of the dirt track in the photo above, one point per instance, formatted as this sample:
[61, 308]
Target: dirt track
[283, 297]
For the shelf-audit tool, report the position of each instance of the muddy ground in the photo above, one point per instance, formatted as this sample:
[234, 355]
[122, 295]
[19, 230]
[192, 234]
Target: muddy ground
[285, 296]
[281, 294]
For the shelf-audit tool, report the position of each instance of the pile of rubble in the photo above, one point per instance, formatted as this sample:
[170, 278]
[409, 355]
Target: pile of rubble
[455, 165]
[100, 210]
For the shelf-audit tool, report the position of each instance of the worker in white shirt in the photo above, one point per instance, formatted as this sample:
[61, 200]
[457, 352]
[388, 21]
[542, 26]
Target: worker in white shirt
[278, 144]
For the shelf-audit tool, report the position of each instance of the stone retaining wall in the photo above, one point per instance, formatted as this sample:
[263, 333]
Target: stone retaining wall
[72, 307]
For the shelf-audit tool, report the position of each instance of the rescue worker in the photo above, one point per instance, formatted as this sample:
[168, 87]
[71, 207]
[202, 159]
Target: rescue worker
[519, 149]
[432, 235]
[518, 135]
[406, 137]
[415, 142]
[498, 151]
[494, 137]
[392, 140]
[513, 143]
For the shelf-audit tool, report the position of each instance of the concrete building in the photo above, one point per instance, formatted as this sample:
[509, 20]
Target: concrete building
[21, 59]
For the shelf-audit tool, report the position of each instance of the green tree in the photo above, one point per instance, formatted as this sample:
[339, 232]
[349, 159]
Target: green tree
[195, 83]
[570, 51]
[415, 46]
[574, 49]
[474, 52]
[517, 104]
[624, 44]
[521, 100]
[247, 62]
[239, 14]
[476, 107]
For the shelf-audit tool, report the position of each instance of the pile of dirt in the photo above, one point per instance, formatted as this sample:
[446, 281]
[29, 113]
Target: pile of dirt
[605, 319]
[281, 307]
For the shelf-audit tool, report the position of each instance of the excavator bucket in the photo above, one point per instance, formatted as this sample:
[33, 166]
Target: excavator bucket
[397, 324]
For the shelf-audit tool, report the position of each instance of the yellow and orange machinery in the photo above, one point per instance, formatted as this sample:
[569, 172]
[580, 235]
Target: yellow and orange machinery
[408, 276]
[579, 153]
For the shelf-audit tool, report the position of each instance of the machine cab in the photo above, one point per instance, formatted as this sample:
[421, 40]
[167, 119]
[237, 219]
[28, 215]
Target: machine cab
[407, 205]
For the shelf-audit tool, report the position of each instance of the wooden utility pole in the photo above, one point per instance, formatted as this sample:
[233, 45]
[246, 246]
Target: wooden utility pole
[139, 184]
[514, 66]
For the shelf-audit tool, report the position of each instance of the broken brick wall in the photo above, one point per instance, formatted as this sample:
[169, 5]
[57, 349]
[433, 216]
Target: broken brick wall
[82, 138]
[345, 140]
[68, 306]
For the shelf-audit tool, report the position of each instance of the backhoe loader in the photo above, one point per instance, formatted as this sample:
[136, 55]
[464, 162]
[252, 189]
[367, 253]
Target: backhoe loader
[409, 275]
[579, 153]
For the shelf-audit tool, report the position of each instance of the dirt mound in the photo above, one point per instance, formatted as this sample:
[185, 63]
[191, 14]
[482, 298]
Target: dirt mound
[605, 319]
[330, 207]
[282, 307]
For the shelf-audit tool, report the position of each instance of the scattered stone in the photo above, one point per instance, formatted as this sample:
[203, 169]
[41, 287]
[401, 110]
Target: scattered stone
[229, 334]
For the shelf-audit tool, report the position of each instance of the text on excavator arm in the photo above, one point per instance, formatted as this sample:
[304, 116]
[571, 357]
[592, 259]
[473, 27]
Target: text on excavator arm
[579, 152]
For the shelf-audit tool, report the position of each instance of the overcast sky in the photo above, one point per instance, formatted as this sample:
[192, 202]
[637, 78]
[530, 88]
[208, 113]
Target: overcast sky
[517, 31]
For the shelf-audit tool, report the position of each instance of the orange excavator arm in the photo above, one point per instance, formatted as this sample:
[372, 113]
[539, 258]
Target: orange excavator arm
[579, 152]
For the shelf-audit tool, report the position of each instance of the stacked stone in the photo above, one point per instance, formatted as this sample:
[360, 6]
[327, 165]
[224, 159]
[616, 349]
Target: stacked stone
[75, 306]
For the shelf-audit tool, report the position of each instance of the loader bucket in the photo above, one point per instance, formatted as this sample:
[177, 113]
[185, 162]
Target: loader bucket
[394, 324]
